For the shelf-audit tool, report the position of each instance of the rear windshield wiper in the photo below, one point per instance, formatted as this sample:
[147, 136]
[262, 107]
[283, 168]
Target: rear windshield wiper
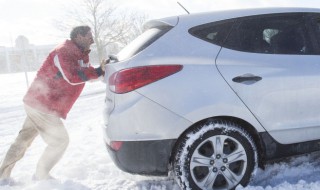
[113, 58]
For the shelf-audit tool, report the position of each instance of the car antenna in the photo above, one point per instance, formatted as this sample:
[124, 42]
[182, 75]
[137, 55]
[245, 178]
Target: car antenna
[183, 7]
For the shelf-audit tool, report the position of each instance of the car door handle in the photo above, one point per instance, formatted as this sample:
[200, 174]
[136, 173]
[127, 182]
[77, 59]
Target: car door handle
[246, 77]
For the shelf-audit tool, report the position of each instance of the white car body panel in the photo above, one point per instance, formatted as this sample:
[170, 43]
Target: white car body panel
[143, 119]
[286, 99]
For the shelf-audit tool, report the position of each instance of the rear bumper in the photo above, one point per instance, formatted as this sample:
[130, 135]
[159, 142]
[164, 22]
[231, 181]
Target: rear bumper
[143, 157]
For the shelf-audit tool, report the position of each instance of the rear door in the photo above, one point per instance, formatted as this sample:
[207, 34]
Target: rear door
[272, 63]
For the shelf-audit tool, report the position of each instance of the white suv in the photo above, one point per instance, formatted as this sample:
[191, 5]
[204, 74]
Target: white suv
[212, 96]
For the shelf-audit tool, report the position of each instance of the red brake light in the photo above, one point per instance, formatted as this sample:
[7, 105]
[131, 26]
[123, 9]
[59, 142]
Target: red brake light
[127, 80]
[116, 145]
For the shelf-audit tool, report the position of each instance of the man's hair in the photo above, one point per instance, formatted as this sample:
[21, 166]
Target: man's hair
[82, 30]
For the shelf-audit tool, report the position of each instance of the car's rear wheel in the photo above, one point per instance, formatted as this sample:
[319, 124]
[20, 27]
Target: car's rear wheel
[217, 155]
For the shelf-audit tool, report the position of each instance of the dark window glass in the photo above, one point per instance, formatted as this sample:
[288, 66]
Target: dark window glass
[215, 32]
[315, 25]
[317, 21]
[274, 34]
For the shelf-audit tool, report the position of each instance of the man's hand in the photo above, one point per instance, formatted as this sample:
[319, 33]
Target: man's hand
[103, 64]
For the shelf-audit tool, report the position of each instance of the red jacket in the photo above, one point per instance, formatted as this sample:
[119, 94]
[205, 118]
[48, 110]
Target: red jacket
[60, 80]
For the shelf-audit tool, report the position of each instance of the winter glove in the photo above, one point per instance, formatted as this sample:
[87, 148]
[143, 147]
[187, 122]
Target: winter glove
[103, 64]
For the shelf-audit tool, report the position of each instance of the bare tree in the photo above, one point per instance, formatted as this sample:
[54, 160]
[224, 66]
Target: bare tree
[109, 26]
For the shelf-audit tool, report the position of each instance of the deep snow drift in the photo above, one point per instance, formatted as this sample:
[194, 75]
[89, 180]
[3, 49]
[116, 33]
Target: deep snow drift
[86, 164]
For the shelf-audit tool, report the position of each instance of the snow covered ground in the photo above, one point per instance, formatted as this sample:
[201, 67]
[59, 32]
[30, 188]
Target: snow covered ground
[86, 164]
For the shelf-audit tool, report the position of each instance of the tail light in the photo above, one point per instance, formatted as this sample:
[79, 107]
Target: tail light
[116, 145]
[127, 80]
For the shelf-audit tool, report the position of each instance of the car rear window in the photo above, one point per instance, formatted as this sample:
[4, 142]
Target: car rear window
[142, 41]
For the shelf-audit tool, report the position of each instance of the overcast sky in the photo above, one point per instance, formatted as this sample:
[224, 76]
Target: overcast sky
[34, 18]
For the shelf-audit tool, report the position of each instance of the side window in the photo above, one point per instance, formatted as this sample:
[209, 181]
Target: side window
[274, 34]
[317, 19]
[315, 25]
[215, 32]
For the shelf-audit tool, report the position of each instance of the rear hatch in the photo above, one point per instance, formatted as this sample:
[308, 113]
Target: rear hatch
[153, 30]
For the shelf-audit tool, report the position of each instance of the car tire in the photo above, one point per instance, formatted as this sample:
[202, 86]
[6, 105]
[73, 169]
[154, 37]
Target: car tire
[216, 155]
